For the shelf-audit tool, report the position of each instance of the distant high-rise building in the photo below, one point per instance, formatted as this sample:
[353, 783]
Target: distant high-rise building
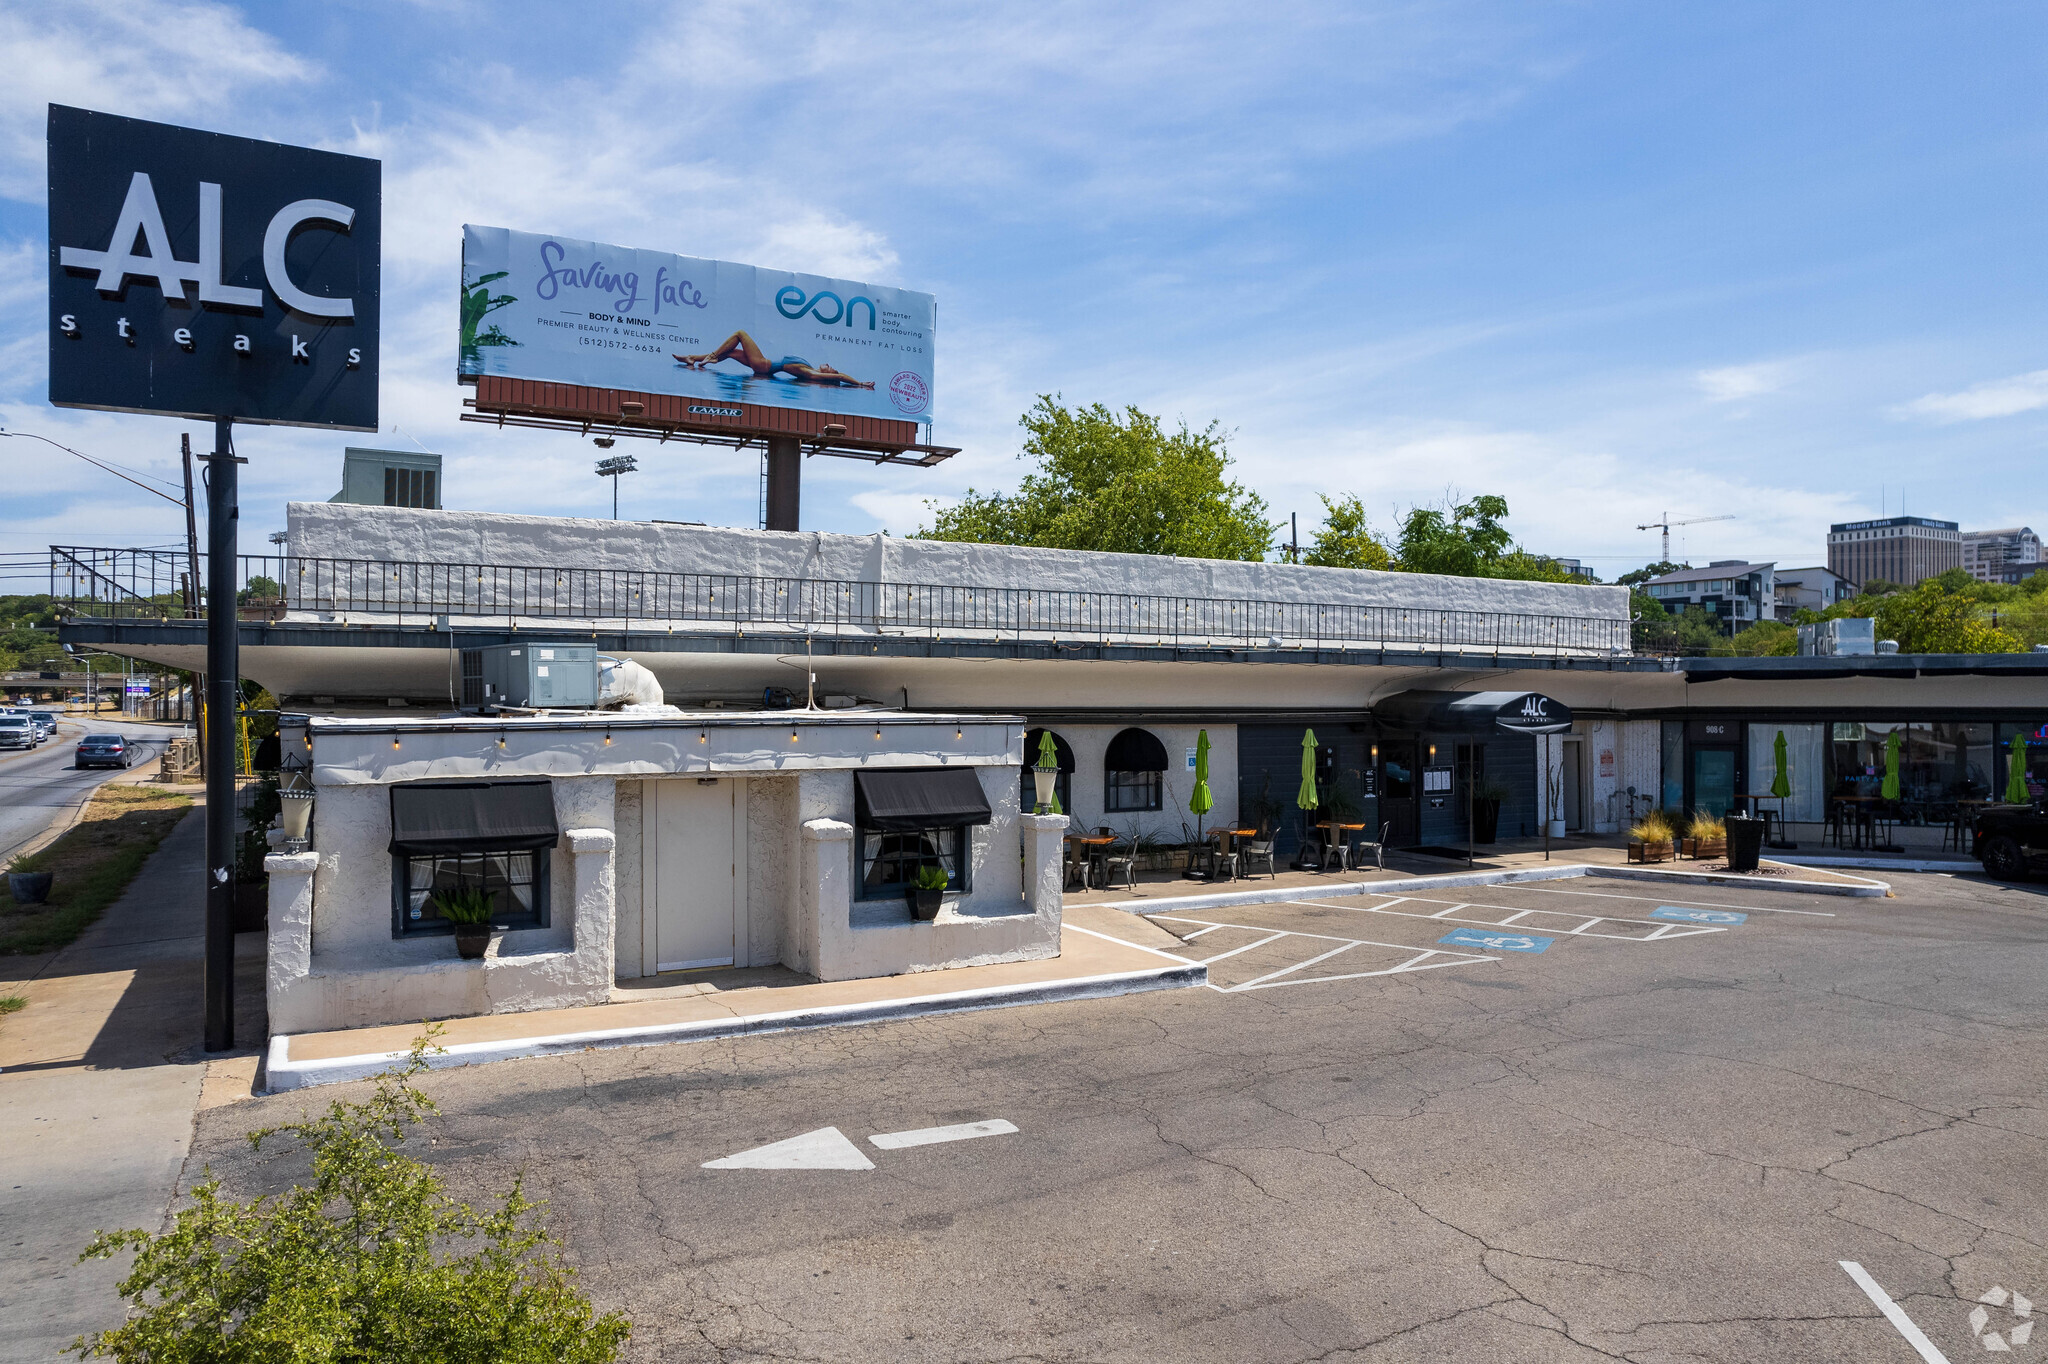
[1989, 554]
[1897, 549]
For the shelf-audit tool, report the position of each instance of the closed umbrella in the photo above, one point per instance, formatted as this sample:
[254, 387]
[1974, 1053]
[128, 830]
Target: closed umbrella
[2016, 792]
[1049, 760]
[1890, 789]
[1306, 798]
[1781, 783]
[1201, 801]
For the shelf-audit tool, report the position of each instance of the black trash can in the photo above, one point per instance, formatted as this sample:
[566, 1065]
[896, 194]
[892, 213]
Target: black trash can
[1745, 842]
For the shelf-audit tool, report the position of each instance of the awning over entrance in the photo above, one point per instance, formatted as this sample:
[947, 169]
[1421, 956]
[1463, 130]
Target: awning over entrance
[1474, 712]
[430, 817]
[924, 798]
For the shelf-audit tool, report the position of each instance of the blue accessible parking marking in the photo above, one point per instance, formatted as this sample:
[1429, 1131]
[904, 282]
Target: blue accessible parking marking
[1698, 916]
[1496, 941]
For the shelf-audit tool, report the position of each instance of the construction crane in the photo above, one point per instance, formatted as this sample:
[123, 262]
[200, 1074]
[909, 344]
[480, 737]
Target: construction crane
[1667, 523]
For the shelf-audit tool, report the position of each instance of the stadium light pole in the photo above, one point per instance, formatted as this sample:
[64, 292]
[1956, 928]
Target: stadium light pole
[611, 469]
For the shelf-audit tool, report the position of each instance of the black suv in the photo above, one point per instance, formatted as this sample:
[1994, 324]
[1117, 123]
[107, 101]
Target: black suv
[2011, 840]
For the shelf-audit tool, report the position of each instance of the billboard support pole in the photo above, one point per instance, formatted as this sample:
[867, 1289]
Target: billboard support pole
[222, 702]
[785, 473]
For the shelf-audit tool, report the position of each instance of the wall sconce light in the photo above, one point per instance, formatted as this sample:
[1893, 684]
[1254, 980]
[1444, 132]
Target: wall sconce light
[1432, 750]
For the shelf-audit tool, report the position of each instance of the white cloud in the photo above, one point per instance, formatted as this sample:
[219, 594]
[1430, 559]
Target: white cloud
[1733, 383]
[144, 60]
[1995, 398]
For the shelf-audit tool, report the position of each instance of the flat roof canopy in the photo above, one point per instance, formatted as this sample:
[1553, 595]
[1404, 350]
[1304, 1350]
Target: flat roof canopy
[1474, 712]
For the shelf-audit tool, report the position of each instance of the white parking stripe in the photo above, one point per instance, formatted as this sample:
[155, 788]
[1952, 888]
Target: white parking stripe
[1451, 959]
[1893, 1313]
[1667, 900]
[1452, 910]
[1289, 970]
[1276, 937]
[1659, 930]
[1514, 916]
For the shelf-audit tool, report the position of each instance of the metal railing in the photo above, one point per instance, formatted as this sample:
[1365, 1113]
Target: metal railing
[135, 583]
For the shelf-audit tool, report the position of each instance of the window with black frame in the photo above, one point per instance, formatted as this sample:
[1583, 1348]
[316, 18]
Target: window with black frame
[907, 820]
[1134, 773]
[455, 837]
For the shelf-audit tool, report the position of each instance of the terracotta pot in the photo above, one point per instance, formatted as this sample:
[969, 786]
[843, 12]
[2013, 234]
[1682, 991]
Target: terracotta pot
[472, 940]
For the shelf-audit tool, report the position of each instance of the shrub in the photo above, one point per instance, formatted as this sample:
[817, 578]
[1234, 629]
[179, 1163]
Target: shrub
[1652, 828]
[932, 878]
[359, 1264]
[1704, 826]
[463, 905]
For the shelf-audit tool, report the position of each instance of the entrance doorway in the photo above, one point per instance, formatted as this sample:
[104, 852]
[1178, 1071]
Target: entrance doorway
[1574, 763]
[1713, 780]
[1398, 793]
[693, 845]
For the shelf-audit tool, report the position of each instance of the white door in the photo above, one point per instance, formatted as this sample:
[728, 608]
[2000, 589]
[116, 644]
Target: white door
[692, 841]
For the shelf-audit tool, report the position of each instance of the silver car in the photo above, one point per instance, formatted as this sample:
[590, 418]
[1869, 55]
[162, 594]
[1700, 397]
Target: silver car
[18, 731]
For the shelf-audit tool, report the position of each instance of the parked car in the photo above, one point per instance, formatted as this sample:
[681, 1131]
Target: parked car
[102, 750]
[2011, 841]
[18, 731]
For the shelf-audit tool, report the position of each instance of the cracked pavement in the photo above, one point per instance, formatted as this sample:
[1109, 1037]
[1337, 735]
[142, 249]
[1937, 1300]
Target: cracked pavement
[1653, 1152]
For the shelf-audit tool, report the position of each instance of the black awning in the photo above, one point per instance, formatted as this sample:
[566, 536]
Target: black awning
[923, 798]
[1135, 750]
[429, 817]
[1474, 712]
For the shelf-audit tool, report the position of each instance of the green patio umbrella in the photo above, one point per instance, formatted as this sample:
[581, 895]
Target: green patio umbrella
[1890, 789]
[1200, 800]
[2016, 792]
[1781, 783]
[1306, 798]
[1049, 758]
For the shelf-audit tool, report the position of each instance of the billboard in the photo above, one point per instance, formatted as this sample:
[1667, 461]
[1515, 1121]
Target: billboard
[253, 293]
[564, 311]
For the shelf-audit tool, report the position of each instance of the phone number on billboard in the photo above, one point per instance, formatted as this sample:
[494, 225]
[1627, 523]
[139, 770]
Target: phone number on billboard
[617, 345]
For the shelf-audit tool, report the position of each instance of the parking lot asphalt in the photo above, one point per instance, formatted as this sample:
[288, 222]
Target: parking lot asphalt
[1654, 1137]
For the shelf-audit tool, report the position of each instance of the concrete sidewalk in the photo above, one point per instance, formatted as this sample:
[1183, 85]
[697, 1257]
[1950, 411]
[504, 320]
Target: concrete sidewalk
[100, 1080]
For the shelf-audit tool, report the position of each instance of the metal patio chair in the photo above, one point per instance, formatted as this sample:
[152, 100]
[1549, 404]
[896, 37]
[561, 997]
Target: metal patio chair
[1254, 852]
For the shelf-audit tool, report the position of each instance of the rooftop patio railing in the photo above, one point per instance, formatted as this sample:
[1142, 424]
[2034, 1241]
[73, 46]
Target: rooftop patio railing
[154, 584]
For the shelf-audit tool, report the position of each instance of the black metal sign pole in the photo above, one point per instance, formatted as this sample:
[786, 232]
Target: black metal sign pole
[223, 700]
[785, 474]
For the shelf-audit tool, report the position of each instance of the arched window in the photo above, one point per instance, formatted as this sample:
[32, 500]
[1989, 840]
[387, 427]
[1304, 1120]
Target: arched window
[1062, 786]
[1134, 772]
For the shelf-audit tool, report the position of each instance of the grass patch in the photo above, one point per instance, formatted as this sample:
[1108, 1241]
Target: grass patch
[12, 1004]
[91, 864]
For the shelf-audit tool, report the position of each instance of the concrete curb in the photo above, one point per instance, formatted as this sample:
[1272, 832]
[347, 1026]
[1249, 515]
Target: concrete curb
[1885, 863]
[281, 1073]
[1508, 876]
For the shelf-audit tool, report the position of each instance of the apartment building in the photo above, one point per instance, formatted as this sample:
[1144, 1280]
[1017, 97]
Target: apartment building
[1808, 589]
[1739, 592]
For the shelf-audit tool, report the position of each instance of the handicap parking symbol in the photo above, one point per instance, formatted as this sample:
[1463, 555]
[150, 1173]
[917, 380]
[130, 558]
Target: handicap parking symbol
[1493, 940]
[1698, 916]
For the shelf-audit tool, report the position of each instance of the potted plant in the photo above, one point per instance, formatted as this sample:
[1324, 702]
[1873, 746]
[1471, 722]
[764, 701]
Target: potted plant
[1649, 840]
[929, 893]
[469, 909]
[1486, 803]
[1706, 836]
[27, 882]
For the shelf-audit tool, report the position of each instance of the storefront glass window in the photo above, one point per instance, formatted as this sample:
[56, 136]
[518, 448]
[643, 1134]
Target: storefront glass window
[2036, 749]
[1938, 763]
[1671, 795]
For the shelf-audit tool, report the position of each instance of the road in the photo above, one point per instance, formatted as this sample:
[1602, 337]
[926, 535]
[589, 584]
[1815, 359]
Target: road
[1561, 1123]
[40, 785]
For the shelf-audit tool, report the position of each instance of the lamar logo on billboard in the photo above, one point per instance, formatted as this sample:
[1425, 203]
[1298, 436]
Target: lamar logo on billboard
[198, 275]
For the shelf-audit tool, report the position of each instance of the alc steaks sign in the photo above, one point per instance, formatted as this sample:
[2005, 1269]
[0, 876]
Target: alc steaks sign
[198, 275]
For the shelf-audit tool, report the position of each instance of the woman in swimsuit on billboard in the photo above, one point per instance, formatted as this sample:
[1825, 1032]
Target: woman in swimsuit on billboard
[739, 346]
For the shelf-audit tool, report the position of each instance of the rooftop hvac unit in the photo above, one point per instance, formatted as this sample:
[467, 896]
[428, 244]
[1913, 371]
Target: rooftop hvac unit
[539, 675]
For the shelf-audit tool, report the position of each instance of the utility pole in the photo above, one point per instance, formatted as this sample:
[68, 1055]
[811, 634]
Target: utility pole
[223, 667]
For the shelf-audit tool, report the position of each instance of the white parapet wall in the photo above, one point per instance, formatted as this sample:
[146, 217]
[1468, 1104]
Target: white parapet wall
[320, 530]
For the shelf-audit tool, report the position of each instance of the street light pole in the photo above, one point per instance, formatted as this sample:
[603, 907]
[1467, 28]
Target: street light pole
[223, 668]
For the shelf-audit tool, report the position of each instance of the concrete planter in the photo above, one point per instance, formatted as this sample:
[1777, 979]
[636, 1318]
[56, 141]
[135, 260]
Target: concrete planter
[29, 887]
[1649, 852]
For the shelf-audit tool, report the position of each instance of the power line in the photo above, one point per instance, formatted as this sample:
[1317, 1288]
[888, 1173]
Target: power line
[179, 501]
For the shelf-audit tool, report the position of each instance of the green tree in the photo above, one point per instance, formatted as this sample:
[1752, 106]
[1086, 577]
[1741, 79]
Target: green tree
[1346, 539]
[360, 1263]
[1119, 483]
[1469, 541]
[1766, 638]
[1636, 577]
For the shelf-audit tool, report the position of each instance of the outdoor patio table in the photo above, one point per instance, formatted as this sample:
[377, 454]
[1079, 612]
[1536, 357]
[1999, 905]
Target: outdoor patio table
[1226, 857]
[1339, 835]
[1093, 846]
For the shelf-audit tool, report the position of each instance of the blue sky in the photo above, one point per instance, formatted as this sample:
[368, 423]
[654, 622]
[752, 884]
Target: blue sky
[1779, 262]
